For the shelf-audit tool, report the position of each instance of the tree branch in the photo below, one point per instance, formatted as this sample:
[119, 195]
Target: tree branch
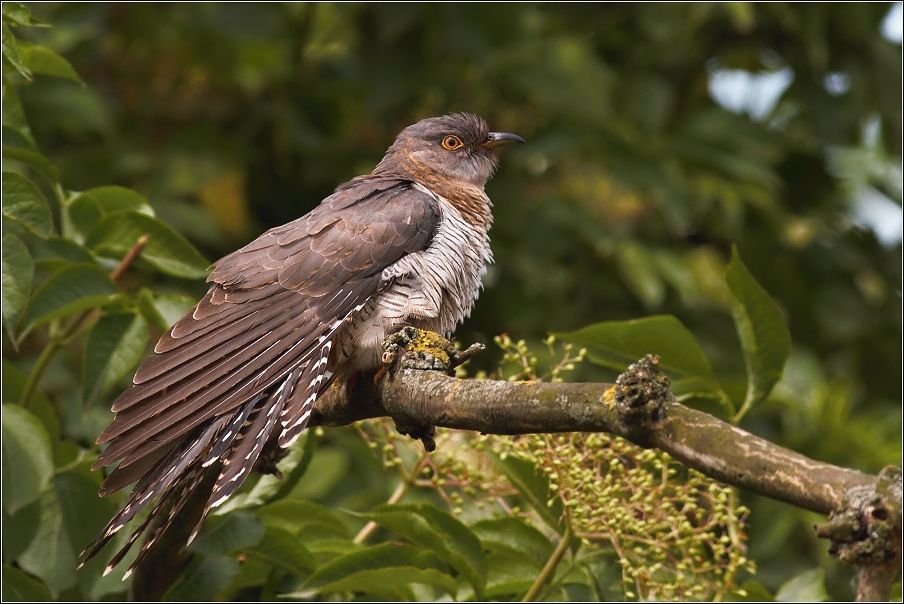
[865, 522]
[696, 439]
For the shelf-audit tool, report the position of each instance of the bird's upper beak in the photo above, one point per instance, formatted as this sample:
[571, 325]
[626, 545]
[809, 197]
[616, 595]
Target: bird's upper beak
[497, 139]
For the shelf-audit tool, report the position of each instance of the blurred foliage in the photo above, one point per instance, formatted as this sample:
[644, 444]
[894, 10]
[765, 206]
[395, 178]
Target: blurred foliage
[231, 118]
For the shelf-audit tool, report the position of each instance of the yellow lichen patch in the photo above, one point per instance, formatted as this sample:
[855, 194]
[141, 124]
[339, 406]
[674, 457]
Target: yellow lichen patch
[431, 343]
[609, 396]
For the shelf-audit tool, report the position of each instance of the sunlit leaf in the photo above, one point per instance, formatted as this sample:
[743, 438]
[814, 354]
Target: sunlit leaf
[166, 250]
[24, 203]
[115, 345]
[27, 458]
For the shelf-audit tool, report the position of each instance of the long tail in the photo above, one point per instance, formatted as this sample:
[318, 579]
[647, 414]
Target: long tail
[234, 441]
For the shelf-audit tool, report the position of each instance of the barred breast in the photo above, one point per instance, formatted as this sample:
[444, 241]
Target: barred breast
[433, 289]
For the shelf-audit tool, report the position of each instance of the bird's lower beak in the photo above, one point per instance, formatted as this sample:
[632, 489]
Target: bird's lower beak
[497, 139]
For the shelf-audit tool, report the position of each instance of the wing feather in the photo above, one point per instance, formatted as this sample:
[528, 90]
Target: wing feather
[256, 348]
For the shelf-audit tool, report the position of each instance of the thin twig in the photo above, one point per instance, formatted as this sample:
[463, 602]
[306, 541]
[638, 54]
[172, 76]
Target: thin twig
[130, 257]
[550, 567]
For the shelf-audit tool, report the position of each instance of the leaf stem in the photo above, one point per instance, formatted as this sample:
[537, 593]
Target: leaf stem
[551, 564]
[408, 480]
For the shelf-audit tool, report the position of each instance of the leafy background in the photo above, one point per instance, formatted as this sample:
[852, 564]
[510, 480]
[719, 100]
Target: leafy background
[659, 137]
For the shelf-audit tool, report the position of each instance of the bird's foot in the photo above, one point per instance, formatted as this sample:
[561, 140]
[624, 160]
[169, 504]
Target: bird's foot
[415, 348]
[412, 348]
[422, 432]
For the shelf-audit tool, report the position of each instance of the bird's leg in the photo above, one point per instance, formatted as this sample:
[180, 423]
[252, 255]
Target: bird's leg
[412, 348]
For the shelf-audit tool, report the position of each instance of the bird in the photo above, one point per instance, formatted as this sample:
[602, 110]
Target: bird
[303, 305]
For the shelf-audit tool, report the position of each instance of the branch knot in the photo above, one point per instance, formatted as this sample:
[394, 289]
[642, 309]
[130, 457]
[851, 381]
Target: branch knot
[640, 394]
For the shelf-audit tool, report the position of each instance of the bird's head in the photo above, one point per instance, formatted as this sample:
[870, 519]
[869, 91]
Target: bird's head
[458, 147]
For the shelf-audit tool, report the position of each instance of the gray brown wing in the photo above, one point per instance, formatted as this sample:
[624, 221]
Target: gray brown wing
[273, 304]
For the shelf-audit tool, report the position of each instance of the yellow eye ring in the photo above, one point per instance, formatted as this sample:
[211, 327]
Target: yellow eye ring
[452, 143]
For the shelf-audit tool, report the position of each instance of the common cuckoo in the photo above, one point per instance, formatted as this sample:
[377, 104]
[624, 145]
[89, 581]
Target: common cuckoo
[304, 304]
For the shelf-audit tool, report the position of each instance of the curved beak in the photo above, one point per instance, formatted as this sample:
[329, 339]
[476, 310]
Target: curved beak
[498, 139]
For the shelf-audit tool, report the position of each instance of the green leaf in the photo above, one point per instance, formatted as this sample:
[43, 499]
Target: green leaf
[202, 580]
[508, 574]
[19, 529]
[50, 556]
[71, 290]
[55, 253]
[534, 487]
[166, 251]
[385, 569]
[392, 581]
[34, 160]
[639, 272]
[513, 535]
[115, 345]
[18, 271]
[24, 203]
[19, 587]
[27, 458]
[283, 550]
[17, 13]
[271, 487]
[11, 51]
[225, 534]
[704, 394]
[13, 385]
[14, 120]
[84, 210]
[173, 307]
[749, 591]
[40, 59]
[298, 516]
[617, 344]
[84, 513]
[439, 531]
[764, 336]
[808, 586]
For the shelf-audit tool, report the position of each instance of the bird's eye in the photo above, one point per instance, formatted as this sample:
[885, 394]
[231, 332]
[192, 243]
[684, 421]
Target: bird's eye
[452, 142]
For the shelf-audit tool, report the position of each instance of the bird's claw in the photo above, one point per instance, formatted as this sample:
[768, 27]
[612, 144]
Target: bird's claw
[419, 349]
